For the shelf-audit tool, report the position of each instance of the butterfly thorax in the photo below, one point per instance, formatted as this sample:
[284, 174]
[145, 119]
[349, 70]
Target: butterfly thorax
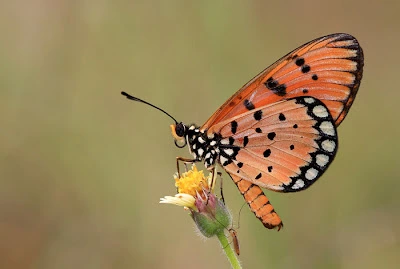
[204, 147]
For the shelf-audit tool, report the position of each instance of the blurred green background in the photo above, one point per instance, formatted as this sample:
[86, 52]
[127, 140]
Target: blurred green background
[82, 169]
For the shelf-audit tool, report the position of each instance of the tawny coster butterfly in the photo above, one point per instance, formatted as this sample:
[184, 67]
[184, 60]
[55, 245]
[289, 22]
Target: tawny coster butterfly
[279, 130]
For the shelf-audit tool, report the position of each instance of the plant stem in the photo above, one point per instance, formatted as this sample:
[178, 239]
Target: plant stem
[230, 254]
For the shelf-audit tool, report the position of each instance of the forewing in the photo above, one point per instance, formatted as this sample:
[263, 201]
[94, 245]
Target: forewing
[284, 147]
[328, 68]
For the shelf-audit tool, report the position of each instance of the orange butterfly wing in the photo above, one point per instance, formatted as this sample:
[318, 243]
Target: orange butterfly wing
[279, 130]
[328, 68]
[285, 146]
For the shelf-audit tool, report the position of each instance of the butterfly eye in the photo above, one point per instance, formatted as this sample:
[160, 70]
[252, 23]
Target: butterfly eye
[180, 129]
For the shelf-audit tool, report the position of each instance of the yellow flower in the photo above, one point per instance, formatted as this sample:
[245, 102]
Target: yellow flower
[209, 213]
[192, 182]
[190, 185]
[194, 193]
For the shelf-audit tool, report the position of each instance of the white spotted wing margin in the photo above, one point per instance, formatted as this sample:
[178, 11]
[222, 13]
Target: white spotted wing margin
[284, 147]
[327, 145]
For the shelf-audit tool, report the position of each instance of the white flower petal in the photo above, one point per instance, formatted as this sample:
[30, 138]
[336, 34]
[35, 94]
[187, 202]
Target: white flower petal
[180, 199]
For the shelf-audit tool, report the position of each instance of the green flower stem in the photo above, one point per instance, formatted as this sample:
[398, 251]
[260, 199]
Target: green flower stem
[230, 254]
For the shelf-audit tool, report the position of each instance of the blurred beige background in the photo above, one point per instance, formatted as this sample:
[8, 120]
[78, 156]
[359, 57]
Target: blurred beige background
[82, 169]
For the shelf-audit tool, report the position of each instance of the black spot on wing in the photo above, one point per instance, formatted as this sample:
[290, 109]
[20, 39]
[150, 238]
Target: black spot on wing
[266, 153]
[227, 162]
[300, 61]
[245, 140]
[234, 126]
[282, 117]
[275, 87]
[280, 90]
[258, 115]
[271, 135]
[305, 69]
[271, 83]
[248, 104]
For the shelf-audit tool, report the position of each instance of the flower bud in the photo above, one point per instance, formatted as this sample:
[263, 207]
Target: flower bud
[212, 216]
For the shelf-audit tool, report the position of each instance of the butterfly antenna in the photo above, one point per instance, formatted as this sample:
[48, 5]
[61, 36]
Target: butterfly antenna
[130, 97]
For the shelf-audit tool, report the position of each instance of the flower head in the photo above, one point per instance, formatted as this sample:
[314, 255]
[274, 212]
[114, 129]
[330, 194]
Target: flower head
[195, 192]
[192, 181]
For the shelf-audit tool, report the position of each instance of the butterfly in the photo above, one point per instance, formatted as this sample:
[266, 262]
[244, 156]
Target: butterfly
[279, 130]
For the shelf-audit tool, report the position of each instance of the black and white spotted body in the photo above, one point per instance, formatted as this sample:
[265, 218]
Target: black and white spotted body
[211, 148]
[203, 147]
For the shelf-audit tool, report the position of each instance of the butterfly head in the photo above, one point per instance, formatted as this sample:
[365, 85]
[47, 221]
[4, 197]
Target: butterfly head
[179, 131]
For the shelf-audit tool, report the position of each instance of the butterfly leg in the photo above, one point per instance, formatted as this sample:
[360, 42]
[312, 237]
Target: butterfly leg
[213, 173]
[222, 193]
[186, 168]
[258, 203]
[185, 161]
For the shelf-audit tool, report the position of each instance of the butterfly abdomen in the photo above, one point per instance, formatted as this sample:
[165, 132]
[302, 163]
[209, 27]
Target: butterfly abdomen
[258, 203]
